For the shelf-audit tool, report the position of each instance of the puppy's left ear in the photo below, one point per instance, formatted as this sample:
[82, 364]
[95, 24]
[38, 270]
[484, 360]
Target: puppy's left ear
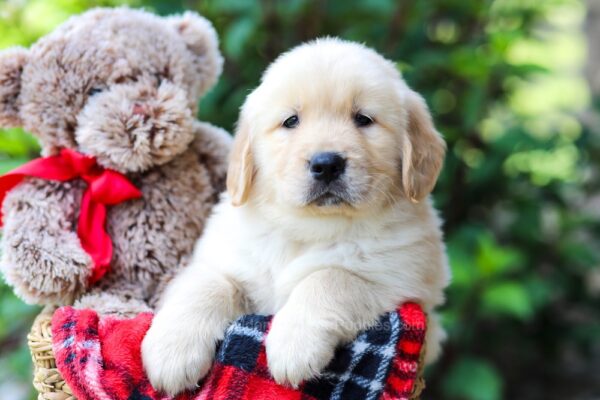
[241, 166]
[423, 150]
[201, 40]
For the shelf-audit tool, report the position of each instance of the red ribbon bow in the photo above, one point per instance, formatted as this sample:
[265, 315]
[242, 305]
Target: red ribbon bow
[105, 187]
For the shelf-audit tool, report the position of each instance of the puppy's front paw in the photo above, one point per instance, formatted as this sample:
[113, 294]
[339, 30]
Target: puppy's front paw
[297, 352]
[176, 357]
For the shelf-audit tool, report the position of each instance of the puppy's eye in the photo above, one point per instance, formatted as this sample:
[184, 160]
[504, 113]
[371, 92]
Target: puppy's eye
[362, 120]
[291, 122]
[159, 79]
[93, 91]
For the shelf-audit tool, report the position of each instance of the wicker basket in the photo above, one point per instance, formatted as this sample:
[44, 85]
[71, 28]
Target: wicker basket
[50, 384]
[46, 378]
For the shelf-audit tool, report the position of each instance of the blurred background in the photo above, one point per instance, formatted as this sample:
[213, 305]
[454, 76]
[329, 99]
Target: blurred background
[514, 86]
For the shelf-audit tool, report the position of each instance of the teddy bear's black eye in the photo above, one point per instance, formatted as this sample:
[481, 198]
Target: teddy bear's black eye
[362, 120]
[291, 122]
[93, 91]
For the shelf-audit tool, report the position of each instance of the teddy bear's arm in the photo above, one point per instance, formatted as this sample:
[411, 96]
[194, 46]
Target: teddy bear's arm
[212, 144]
[42, 257]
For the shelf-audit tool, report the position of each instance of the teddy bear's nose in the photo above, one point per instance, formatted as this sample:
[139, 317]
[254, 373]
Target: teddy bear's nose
[140, 109]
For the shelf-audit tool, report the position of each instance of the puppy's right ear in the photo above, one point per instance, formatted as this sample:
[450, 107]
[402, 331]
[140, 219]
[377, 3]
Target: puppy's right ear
[422, 151]
[12, 62]
[241, 166]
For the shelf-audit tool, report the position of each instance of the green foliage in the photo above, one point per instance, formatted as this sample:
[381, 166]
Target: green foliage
[502, 79]
[15, 360]
[472, 378]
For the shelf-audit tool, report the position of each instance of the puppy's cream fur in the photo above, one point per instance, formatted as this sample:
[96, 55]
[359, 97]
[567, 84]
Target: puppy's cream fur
[326, 271]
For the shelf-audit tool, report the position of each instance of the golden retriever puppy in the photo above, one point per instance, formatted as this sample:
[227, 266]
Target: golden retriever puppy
[326, 224]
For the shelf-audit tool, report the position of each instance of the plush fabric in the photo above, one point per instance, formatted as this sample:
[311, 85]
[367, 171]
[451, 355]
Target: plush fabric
[122, 86]
[99, 357]
[105, 187]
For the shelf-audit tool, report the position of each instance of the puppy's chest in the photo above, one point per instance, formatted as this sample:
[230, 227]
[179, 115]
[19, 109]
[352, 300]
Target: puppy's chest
[274, 267]
[261, 270]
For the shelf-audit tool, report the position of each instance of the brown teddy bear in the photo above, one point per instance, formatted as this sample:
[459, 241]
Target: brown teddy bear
[118, 88]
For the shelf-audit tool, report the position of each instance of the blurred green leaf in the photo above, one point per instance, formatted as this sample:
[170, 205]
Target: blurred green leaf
[507, 298]
[238, 35]
[493, 259]
[473, 379]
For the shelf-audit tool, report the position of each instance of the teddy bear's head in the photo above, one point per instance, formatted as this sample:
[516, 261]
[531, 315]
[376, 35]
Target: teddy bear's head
[118, 84]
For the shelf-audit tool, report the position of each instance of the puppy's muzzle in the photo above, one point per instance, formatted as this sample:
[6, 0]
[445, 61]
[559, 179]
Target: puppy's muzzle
[327, 167]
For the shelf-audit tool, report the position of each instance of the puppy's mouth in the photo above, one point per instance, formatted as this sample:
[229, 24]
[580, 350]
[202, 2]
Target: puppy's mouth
[328, 199]
[328, 195]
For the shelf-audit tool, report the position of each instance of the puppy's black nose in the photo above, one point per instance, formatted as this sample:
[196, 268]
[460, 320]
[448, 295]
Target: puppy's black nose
[327, 167]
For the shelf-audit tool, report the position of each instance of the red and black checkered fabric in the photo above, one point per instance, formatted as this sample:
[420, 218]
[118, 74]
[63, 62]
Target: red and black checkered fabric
[100, 360]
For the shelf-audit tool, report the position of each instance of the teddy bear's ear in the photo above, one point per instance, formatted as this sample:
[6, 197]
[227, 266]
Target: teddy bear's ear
[12, 62]
[201, 39]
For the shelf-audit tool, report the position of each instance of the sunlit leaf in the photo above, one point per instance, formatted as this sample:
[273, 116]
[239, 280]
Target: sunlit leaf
[510, 298]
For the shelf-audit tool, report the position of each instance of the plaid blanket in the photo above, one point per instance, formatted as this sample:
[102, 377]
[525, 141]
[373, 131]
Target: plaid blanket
[99, 358]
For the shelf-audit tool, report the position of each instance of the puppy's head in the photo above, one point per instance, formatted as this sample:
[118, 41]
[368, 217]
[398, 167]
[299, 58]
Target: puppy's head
[333, 129]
